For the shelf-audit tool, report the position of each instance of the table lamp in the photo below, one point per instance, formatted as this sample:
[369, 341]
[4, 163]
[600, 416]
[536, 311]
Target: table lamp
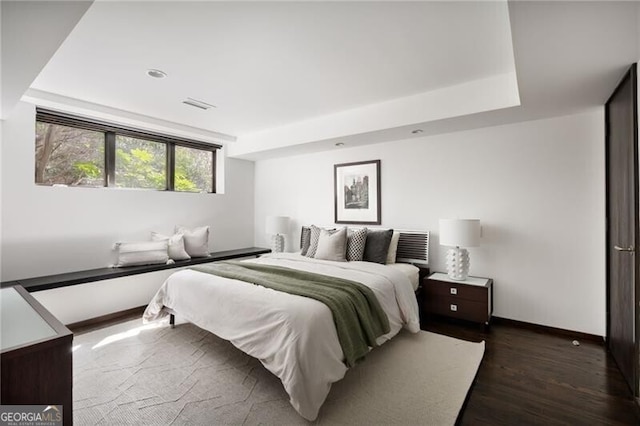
[458, 234]
[276, 227]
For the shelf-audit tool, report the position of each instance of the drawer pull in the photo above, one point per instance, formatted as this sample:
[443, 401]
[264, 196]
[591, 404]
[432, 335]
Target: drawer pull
[453, 290]
[454, 308]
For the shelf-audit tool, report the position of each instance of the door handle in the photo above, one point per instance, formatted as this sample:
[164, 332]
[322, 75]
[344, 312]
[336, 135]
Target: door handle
[629, 249]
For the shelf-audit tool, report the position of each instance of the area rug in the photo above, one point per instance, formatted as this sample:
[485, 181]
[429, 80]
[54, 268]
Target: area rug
[139, 374]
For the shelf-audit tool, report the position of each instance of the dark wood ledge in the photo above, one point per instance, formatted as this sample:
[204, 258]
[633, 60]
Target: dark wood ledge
[49, 282]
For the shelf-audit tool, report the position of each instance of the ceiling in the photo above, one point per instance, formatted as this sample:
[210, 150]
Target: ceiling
[292, 77]
[19, 24]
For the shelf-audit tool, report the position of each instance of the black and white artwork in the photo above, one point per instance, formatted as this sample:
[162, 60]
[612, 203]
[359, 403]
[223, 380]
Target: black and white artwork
[357, 192]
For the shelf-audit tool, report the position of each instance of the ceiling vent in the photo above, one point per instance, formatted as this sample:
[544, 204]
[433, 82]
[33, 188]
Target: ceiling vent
[198, 104]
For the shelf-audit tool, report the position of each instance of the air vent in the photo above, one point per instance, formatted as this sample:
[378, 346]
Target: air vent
[198, 104]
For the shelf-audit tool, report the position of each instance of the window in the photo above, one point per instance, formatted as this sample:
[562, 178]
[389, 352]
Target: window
[69, 156]
[76, 152]
[194, 170]
[140, 163]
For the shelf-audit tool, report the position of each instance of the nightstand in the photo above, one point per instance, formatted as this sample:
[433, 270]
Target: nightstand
[470, 300]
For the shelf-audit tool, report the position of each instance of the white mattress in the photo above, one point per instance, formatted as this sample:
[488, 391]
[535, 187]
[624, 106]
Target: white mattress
[410, 271]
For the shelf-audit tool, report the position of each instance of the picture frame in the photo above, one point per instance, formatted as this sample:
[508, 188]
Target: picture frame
[357, 193]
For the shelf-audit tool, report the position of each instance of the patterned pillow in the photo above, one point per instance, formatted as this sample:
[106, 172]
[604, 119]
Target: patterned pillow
[305, 241]
[313, 241]
[356, 241]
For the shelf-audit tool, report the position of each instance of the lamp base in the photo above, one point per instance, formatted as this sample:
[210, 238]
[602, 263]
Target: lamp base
[457, 263]
[277, 243]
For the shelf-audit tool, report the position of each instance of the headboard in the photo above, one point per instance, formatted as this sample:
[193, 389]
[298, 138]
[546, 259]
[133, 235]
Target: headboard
[413, 246]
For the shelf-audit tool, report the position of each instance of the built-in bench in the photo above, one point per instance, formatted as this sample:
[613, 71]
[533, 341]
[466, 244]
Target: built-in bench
[49, 282]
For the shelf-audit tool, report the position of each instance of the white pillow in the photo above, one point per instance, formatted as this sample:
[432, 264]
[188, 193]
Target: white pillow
[142, 253]
[332, 245]
[196, 241]
[176, 245]
[393, 247]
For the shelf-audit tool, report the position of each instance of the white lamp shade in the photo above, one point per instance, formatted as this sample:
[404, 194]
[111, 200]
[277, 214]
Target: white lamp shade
[277, 225]
[460, 232]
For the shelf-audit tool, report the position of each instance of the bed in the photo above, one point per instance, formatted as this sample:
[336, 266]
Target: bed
[294, 337]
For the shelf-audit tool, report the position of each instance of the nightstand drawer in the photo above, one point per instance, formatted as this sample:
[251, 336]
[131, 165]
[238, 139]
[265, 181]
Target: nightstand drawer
[436, 289]
[458, 308]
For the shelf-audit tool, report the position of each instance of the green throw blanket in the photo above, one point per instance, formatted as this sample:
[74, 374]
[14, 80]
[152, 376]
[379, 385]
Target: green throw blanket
[357, 314]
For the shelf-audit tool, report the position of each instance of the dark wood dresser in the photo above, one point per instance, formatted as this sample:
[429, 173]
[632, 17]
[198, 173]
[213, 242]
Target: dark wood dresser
[36, 357]
[470, 300]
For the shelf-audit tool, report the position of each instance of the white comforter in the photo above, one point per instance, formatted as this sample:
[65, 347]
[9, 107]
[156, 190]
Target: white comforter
[294, 337]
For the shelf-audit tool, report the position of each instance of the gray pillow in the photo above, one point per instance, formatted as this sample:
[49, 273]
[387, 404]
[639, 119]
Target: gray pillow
[377, 246]
[356, 240]
[313, 240]
[332, 245]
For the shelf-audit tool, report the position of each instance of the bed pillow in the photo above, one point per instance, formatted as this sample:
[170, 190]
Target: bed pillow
[393, 248]
[305, 241]
[314, 236]
[196, 241]
[356, 240]
[176, 245]
[142, 253]
[332, 245]
[377, 246]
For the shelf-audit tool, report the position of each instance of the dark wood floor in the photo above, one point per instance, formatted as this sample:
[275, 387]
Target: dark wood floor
[530, 377]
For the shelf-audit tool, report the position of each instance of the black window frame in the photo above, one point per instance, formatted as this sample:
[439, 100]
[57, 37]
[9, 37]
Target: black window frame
[111, 130]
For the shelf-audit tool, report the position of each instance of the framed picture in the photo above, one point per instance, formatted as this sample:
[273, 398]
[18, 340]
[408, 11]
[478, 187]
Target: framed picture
[357, 192]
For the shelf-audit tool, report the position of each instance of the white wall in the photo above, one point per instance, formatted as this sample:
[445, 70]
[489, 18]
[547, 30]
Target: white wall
[537, 187]
[47, 230]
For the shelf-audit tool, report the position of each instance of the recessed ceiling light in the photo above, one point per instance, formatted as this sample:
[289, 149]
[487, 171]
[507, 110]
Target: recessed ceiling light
[416, 131]
[156, 73]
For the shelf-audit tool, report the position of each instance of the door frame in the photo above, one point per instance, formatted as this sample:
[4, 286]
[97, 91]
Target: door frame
[633, 76]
